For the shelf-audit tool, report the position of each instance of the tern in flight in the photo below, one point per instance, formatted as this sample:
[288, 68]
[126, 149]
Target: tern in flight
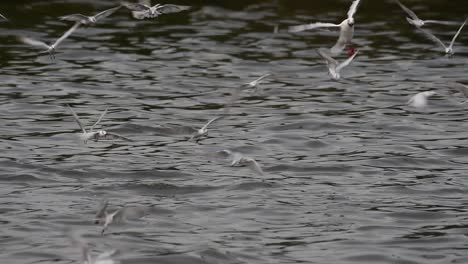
[256, 82]
[419, 100]
[235, 94]
[103, 217]
[143, 10]
[87, 258]
[238, 159]
[334, 68]
[96, 135]
[414, 20]
[49, 48]
[346, 28]
[90, 20]
[448, 50]
[463, 89]
[204, 130]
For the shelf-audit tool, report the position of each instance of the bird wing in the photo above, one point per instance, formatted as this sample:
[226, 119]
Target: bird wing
[3, 17]
[432, 37]
[167, 9]
[407, 10]
[209, 122]
[456, 35]
[98, 121]
[74, 17]
[254, 166]
[66, 34]
[33, 42]
[106, 13]
[461, 88]
[109, 136]
[346, 62]
[136, 6]
[102, 209]
[353, 8]
[106, 256]
[440, 22]
[311, 26]
[259, 79]
[225, 153]
[329, 60]
[77, 119]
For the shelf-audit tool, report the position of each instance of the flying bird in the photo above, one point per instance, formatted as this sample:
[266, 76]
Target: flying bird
[419, 100]
[346, 28]
[105, 218]
[204, 130]
[95, 135]
[87, 258]
[334, 68]
[256, 82]
[144, 10]
[238, 159]
[50, 49]
[414, 20]
[90, 20]
[463, 89]
[448, 50]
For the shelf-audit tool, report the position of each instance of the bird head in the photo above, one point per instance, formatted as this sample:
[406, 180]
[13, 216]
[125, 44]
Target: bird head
[102, 133]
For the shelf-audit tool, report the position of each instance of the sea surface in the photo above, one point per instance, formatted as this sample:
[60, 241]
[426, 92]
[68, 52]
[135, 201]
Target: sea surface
[352, 174]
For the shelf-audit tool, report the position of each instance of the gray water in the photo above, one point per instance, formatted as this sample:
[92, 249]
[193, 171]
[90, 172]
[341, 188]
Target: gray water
[352, 174]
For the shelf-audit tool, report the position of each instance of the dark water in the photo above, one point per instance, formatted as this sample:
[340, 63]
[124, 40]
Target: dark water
[352, 174]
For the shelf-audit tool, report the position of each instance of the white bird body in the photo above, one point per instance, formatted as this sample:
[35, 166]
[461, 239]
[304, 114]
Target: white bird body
[144, 10]
[346, 28]
[414, 20]
[95, 135]
[204, 130]
[419, 100]
[89, 20]
[50, 48]
[256, 82]
[238, 159]
[448, 49]
[334, 68]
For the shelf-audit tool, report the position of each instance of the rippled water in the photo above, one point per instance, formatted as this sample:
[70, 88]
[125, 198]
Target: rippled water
[352, 175]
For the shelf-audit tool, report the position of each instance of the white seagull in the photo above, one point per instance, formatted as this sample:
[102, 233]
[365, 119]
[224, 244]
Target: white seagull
[103, 217]
[95, 135]
[49, 48]
[334, 68]
[448, 50]
[414, 20]
[256, 82]
[204, 130]
[238, 159]
[90, 20]
[143, 10]
[346, 28]
[419, 100]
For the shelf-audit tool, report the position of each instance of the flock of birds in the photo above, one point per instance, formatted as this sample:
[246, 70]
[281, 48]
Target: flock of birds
[143, 10]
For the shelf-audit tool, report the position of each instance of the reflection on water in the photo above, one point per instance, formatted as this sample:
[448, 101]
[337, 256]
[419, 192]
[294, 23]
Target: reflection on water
[352, 174]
